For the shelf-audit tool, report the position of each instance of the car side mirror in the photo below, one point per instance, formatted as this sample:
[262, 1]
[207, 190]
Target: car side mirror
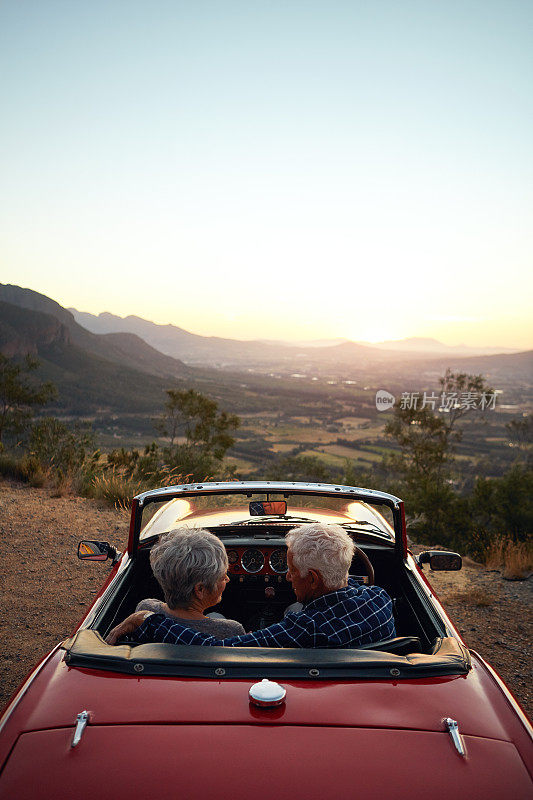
[441, 560]
[89, 550]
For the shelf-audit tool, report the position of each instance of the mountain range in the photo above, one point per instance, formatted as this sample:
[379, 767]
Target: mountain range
[125, 365]
[429, 346]
[214, 350]
[91, 371]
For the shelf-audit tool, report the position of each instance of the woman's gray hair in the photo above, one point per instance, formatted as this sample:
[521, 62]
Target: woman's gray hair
[184, 557]
[326, 548]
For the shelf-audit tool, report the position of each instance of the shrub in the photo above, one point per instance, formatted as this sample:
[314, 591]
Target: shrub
[515, 559]
[504, 505]
[64, 455]
[11, 466]
[116, 488]
[59, 447]
[299, 468]
[23, 468]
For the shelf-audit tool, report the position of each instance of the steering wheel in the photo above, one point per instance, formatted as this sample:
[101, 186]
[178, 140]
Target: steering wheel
[368, 566]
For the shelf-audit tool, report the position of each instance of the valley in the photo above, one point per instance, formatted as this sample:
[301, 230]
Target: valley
[315, 401]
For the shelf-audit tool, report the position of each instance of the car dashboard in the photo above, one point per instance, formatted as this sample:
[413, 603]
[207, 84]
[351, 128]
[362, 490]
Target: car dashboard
[258, 592]
[255, 560]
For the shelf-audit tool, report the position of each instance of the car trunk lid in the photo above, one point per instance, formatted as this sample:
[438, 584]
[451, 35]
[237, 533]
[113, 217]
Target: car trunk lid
[241, 761]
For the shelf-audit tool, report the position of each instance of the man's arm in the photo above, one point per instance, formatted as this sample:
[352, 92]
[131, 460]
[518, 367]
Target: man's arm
[296, 630]
[128, 626]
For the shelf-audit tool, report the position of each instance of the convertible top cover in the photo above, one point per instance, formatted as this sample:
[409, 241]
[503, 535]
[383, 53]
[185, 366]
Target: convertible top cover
[87, 649]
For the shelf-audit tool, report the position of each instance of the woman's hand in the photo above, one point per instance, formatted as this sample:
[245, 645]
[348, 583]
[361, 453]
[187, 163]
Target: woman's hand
[129, 625]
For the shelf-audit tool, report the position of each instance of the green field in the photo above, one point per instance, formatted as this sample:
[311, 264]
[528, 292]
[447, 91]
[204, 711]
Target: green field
[350, 452]
[360, 457]
[242, 466]
[298, 434]
[280, 447]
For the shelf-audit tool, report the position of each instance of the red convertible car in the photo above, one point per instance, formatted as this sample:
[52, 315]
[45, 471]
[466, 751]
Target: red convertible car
[415, 716]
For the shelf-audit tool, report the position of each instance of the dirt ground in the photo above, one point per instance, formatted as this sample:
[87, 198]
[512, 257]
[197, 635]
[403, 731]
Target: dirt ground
[45, 588]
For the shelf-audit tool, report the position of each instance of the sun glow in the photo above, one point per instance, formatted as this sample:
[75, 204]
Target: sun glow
[378, 333]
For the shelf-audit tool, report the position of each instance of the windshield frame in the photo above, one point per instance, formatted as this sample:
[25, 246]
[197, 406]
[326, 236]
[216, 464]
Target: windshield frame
[370, 496]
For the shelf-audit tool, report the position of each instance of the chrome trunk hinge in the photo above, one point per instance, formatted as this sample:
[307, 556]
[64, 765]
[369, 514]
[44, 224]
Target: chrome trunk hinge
[457, 739]
[81, 721]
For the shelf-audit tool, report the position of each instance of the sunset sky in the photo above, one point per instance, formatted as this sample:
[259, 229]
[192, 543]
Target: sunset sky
[273, 169]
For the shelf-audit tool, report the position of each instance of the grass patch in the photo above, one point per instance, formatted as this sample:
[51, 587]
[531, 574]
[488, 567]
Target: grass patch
[473, 597]
[240, 464]
[328, 458]
[341, 451]
[514, 559]
[23, 468]
[279, 447]
[116, 489]
[354, 421]
[298, 434]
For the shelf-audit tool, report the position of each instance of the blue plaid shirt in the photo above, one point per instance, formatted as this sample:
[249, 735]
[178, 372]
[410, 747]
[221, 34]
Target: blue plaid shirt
[347, 617]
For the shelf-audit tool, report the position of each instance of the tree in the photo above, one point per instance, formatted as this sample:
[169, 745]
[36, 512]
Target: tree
[206, 430]
[356, 476]
[18, 396]
[426, 438]
[503, 507]
[458, 391]
[60, 447]
[521, 436]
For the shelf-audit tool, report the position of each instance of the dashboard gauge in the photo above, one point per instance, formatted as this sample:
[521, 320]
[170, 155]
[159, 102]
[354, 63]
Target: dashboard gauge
[278, 561]
[233, 556]
[253, 560]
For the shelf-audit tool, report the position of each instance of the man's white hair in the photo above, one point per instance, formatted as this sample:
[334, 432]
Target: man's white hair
[326, 548]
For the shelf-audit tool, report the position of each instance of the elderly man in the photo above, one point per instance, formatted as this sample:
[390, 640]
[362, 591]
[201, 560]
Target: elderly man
[337, 612]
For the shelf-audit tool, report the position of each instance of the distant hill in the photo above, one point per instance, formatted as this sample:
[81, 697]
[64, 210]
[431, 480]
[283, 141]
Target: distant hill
[23, 332]
[87, 384]
[122, 348]
[516, 366]
[217, 351]
[147, 348]
[307, 342]
[94, 374]
[421, 344]
[179, 343]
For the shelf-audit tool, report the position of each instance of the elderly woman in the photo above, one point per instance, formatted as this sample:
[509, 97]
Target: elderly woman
[191, 567]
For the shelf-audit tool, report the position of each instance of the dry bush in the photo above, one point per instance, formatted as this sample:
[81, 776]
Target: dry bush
[518, 560]
[514, 559]
[168, 476]
[23, 468]
[116, 488]
[493, 556]
[61, 484]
